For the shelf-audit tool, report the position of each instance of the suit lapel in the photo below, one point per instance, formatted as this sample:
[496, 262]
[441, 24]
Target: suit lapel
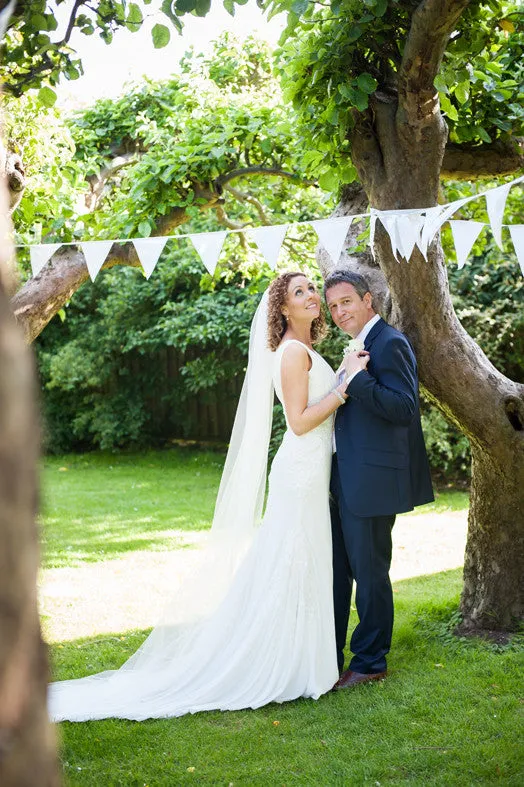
[374, 332]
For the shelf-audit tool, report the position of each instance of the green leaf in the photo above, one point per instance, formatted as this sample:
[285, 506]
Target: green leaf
[462, 92]
[354, 34]
[448, 108]
[144, 229]
[483, 134]
[134, 18]
[229, 5]
[161, 36]
[366, 83]
[47, 96]
[440, 84]
[328, 181]
[185, 6]
[202, 7]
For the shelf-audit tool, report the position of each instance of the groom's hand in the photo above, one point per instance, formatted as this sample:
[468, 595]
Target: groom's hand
[356, 362]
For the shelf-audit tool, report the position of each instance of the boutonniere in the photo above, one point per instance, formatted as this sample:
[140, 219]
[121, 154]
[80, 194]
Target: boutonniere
[354, 346]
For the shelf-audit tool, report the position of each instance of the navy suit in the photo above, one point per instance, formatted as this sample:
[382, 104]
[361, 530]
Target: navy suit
[380, 469]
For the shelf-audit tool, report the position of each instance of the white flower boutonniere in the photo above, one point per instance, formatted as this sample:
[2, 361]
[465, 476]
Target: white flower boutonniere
[354, 346]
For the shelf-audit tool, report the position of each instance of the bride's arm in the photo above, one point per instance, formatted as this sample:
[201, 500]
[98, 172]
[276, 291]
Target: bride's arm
[294, 369]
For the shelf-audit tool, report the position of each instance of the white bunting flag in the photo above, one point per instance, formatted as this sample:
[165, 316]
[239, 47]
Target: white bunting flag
[95, 253]
[372, 227]
[465, 233]
[409, 227]
[149, 251]
[495, 203]
[389, 222]
[332, 234]
[269, 241]
[5, 16]
[517, 236]
[209, 245]
[41, 254]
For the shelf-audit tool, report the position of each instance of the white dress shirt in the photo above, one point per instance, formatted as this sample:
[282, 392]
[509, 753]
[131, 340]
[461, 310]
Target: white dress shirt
[362, 336]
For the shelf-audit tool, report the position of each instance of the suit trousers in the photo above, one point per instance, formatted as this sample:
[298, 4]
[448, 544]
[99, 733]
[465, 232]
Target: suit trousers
[362, 553]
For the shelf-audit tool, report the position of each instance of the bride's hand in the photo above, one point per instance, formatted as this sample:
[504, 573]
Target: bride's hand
[355, 361]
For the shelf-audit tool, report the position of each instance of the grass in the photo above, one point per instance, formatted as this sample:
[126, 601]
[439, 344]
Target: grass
[447, 715]
[98, 506]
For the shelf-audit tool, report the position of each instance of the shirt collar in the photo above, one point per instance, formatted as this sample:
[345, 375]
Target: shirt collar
[367, 327]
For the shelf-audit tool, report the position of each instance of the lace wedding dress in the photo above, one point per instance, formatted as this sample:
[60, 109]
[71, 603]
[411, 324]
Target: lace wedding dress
[271, 638]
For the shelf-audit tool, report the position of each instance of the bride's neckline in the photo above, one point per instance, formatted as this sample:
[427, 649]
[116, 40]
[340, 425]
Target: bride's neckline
[310, 349]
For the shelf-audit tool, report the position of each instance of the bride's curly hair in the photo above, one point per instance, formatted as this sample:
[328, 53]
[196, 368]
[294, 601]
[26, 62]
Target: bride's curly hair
[276, 322]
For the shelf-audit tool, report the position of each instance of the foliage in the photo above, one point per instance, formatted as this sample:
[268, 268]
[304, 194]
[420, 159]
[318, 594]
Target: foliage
[335, 56]
[38, 50]
[55, 184]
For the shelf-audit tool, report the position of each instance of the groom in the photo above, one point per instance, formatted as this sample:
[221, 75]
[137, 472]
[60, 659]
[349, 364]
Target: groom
[380, 469]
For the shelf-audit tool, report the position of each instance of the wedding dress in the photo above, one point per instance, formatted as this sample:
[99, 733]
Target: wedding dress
[270, 637]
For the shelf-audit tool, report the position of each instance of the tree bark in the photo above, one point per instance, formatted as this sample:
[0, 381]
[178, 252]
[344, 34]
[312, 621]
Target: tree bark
[398, 149]
[27, 744]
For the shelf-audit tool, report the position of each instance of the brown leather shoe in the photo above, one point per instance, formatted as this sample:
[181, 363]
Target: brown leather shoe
[348, 679]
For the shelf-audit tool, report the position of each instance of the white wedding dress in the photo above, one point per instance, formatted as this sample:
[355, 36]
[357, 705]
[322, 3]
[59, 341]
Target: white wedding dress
[271, 638]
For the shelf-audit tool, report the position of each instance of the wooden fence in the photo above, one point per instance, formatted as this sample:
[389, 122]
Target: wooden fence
[207, 415]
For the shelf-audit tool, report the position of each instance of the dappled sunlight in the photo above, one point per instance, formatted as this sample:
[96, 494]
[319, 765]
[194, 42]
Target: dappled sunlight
[125, 593]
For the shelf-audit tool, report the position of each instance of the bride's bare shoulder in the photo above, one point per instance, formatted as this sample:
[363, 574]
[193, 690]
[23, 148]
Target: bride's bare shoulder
[295, 355]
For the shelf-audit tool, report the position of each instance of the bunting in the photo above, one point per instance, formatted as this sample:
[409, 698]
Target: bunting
[269, 241]
[95, 253]
[41, 254]
[332, 234]
[149, 251]
[209, 245]
[406, 229]
[517, 237]
[465, 233]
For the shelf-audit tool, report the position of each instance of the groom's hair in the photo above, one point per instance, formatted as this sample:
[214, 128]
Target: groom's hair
[359, 282]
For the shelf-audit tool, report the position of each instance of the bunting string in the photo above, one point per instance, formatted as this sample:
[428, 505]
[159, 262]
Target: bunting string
[406, 228]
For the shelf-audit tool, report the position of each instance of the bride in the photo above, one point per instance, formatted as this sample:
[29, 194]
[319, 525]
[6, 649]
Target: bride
[254, 624]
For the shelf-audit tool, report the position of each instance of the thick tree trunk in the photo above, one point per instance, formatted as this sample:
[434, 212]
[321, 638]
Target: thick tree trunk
[27, 744]
[398, 150]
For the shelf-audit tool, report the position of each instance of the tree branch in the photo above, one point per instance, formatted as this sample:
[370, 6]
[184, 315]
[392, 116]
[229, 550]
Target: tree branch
[97, 183]
[221, 181]
[432, 23]
[41, 297]
[468, 162]
[243, 197]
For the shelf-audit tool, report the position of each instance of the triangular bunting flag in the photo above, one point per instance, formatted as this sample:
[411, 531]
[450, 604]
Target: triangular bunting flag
[517, 236]
[465, 233]
[209, 245]
[95, 253]
[409, 226]
[332, 234]
[372, 226]
[269, 240]
[389, 222]
[495, 203]
[149, 250]
[41, 254]
[435, 218]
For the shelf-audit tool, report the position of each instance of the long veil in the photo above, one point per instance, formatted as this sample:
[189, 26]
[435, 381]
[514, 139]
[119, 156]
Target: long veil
[238, 512]
[238, 509]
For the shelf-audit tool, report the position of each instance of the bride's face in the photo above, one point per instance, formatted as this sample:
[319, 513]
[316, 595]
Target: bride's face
[302, 300]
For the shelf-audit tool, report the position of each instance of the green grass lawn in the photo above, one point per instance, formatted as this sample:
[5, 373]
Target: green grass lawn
[98, 506]
[447, 715]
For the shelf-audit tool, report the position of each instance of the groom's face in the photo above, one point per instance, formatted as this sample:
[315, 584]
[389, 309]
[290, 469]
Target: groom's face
[349, 311]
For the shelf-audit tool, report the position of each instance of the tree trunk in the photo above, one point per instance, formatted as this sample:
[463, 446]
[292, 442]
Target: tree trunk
[27, 744]
[398, 150]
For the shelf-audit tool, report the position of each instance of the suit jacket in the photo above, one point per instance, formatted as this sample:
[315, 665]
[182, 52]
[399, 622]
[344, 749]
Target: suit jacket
[381, 455]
